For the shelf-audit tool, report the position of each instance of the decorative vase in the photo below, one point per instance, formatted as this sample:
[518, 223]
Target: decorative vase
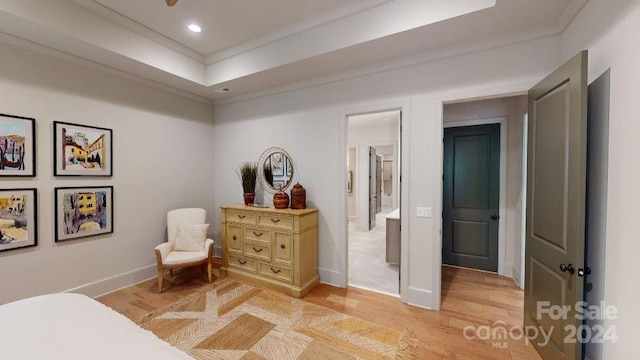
[249, 198]
[280, 200]
[298, 197]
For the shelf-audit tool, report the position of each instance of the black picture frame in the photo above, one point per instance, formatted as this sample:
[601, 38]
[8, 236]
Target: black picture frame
[17, 137]
[79, 212]
[20, 207]
[82, 150]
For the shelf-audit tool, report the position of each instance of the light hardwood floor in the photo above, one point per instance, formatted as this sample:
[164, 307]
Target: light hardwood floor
[470, 298]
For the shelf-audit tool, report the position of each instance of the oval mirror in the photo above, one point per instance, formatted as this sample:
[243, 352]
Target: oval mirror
[277, 169]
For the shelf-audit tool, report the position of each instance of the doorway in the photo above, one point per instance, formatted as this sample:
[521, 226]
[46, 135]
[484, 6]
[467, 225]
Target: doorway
[503, 218]
[373, 199]
[471, 196]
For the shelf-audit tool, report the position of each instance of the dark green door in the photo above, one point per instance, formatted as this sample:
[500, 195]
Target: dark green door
[471, 196]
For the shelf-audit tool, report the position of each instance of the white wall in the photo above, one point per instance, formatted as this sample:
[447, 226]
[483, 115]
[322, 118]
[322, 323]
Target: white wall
[149, 177]
[610, 30]
[364, 137]
[310, 124]
[513, 108]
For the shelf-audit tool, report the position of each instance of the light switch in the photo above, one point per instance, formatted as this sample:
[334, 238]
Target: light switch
[424, 212]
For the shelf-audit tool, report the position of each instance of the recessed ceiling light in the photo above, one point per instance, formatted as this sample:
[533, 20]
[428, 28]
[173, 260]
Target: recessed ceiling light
[195, 28]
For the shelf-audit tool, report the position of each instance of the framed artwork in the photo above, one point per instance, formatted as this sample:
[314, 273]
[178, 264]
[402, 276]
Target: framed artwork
[82, 150]
[17, 146]
[83, 211]
[18, 219]
[349, 181]
[289, 166]
[278, 184]
[277, 164]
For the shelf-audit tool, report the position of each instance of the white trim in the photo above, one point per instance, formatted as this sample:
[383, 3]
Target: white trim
[343, 233]
[374, 290]
[330, 277]
[480, 92]
[419, 297]
[503, 268]
[116, 282]
[523, 230]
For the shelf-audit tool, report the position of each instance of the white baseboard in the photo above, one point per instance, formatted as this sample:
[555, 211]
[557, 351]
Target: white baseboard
[516, 277]
[374, 290]
[116, 282]
[420, 298]
[331, 277]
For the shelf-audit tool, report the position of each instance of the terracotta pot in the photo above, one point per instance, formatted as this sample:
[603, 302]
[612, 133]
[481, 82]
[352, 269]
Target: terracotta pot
[298, 197]
[280, 200]
[249, 198]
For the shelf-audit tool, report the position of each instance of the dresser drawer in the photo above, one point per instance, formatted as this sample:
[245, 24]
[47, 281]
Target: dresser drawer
[233, 238]
[257, 250]
[258, 235]
[242, 217]
[283, 248]
[242, 263]
[277, 221]
[276, 272]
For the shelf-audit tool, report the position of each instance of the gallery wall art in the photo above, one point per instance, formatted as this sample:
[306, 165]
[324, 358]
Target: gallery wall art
[17, 146]
[18, 219]
[82, 150]
[83, 211]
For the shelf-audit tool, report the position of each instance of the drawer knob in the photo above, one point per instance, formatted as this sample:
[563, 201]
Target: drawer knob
[275, 271]
[242, 262]
[257, 234]
[257, 250]
[234, 237]
[282, 246]
[275, 221]
[242, 216]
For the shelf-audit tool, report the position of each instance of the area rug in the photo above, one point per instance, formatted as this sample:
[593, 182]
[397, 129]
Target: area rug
[232, 320]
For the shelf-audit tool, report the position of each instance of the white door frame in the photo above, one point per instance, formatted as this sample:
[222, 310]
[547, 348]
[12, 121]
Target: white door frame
[342, 278]
[460, 95]
[503, 269]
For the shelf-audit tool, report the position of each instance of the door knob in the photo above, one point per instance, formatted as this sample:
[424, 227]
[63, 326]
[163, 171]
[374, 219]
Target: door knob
[569, 268]
[585, 271]
[495, 217]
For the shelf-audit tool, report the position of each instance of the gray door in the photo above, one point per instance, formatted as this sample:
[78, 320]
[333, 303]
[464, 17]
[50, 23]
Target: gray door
[373, 187]
[556, 183]
[471, 196]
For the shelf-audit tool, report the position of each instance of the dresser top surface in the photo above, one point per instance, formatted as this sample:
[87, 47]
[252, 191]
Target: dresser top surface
[269, 209]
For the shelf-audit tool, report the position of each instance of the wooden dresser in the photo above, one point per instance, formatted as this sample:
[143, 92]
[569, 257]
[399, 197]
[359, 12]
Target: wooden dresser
[274, 248]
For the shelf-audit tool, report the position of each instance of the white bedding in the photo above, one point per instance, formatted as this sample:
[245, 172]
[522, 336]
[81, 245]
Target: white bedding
[73, 326]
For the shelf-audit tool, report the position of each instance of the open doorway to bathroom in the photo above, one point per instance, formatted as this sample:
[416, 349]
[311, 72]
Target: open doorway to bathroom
[373, 201]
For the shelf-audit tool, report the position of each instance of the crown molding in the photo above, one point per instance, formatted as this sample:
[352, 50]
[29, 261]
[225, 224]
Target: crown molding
[140, 29]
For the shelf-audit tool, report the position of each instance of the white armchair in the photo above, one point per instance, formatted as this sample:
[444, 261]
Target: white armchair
[169, 257]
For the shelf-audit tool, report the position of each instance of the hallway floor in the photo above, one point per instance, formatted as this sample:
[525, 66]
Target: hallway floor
[367, 252]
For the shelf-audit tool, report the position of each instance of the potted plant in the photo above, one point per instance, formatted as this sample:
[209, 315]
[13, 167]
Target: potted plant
[249, 175]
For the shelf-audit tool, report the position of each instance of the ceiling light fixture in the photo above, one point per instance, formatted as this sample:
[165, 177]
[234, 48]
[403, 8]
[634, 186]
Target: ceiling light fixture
[195, 28]
[171, 2]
